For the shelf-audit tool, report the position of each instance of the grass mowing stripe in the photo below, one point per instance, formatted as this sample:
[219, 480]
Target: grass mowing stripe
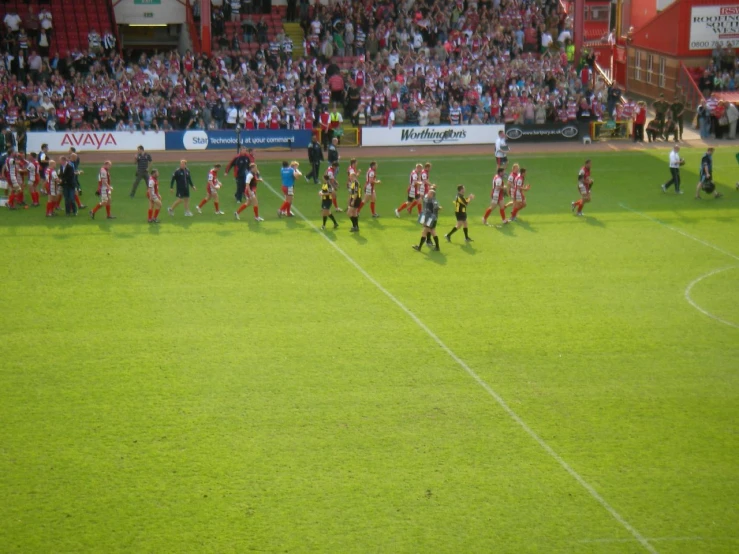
[683, 233]
[697, 307]
[502, 403]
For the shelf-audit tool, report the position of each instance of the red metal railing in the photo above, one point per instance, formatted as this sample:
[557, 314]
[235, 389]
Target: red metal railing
[692, 92]
[192, 28]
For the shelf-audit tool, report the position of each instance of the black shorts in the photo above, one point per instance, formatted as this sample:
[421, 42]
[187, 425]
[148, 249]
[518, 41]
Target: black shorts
[461, 217]
[326, 204]
[355, 202]
[182, 193]
[502, 161]
[412, 198]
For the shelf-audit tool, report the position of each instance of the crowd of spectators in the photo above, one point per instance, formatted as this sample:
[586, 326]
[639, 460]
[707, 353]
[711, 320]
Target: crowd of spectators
[716, 116]
[413, 63]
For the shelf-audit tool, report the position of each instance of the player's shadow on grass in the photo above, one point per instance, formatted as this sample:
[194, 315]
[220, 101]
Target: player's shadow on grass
[594, 221]
[374, 222]
[436, 257]
[525, 225]
[359, 239]
[153, 228]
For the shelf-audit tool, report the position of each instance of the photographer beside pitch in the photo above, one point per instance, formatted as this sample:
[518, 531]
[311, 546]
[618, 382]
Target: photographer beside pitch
[706, 177]
[675, 163]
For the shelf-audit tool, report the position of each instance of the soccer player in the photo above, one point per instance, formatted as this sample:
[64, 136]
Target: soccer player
[501, 150]
[13, 165]
[369, 188]
[155, 199]
[54, 198]
[182, 178]
[414, 182]
[519, 198]
[497, 197]
[288, 174]
[512, 183]
[252, 178]
[584, 182]
[428, 219]
[355, 201]
[211, 189]
[460, 211]
[33, 171]
[423, 189]
[105, 190]
[241, 165]
[706, 176]
[352, 173]
[43, 162]
[325, 194]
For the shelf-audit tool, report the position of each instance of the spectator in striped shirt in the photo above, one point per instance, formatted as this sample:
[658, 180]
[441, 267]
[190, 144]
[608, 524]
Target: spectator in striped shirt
[143, 161]
[455, 114]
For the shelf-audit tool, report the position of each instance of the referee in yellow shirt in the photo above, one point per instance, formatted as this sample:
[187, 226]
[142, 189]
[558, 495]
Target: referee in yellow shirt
[460, 211]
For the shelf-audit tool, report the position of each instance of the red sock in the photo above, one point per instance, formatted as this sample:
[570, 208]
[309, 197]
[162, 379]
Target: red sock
[202, 202]
[285, 206]
[336, 204]
[95, 209]
[419, 208]
[149, 212]
[289, 209]
[49, 207]
[242, 208]
[514, 212]
[487, 213]
[372, 208]
[20, 197]
[77, 199]
[107, 209]
[256, 211]
[502, 214]
[403, 206]
[11, 200]
[156, 213]
[34, 199]
[216, 204]
[361, 205]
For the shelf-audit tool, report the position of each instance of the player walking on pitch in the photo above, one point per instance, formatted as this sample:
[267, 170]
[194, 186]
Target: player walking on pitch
[155, 199]
[412, 198]
[428, 219]
[326, 194]
[105, 191]
[497, 197]
[706, 176]
[355, 201]
[676, 162]
[460, 211]
[184, 183]
[252, 178]
[369, 189]
[584, 183]
[212, 188]
[53, 181]
[519, 198]
[288, 174]
[501, 151]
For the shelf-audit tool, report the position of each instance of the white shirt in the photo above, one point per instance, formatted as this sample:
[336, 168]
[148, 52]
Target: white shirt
[45, 19]
[231, 116]
[546, 40]
[500, 144]
[12, 20]
[674, 160]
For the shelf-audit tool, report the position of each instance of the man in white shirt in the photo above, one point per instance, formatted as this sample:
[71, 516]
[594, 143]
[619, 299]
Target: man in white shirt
[675, 162]
[546, 41]
[12, 21]
[501, 150]
[231, 114]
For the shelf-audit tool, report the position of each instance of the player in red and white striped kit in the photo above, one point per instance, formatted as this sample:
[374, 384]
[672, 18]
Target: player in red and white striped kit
[423, 188]
[497, 197]
[414, 182]
[519, 198]
[33, 171]
[211, 189]
[370, 195]
[105, 191]
[55, 189]
[14, 165]
[155, 199]
[584, 182]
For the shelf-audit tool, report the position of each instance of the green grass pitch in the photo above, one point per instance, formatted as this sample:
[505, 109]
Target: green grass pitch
[208, 385]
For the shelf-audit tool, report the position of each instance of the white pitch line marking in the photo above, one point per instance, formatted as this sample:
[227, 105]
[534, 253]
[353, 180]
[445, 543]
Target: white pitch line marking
[697, 307]
[487, 388]
[676, 230]
[655, 539]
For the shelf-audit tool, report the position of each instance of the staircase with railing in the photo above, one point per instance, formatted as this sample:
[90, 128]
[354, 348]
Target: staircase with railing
[687, 80]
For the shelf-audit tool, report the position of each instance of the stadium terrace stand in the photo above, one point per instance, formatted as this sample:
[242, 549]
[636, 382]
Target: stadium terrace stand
[72, 19]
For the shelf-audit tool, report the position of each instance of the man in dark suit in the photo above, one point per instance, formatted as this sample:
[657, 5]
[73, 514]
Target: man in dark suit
[315, 157]
[67, 176]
